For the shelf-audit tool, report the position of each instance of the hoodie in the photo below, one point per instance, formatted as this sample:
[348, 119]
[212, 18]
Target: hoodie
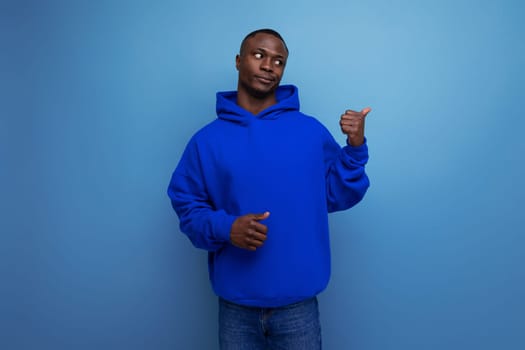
[281, 161]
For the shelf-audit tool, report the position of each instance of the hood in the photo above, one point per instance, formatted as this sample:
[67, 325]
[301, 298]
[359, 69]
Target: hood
[227, 108]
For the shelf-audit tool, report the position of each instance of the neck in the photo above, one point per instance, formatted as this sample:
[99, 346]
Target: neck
[253, 104]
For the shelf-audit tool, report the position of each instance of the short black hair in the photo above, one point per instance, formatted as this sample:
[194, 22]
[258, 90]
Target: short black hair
[265, 31]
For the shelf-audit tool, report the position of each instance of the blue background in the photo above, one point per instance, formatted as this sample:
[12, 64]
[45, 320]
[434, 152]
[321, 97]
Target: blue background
[98, 99]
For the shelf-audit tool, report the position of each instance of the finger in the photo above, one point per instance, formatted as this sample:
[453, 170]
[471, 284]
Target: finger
[366, 110]
[254, 242]
[251, 247]
[254, 246]
[349, 121]
[352, 125]
[351, 112]
[262, 216]
[253, 234]
[363, 112]
[260, 228]
[251, 242]
[348, 130]
[354, 116]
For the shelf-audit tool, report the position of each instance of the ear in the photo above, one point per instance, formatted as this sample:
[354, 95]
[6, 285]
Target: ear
[237, 61]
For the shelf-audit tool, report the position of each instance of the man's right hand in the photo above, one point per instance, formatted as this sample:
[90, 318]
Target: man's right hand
[247, 232]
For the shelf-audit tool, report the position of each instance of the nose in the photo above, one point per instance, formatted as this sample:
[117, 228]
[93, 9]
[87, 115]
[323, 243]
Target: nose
[266, 64]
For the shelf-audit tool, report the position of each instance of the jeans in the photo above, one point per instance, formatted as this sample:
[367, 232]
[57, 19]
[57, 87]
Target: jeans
[291, 327]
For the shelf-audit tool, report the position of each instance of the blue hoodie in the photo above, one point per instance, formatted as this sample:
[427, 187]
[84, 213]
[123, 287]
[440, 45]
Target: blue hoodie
[280, 161]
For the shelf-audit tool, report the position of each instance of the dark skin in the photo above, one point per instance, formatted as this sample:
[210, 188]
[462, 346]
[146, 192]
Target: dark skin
[353, 126]
[261, 64]
[247, 232]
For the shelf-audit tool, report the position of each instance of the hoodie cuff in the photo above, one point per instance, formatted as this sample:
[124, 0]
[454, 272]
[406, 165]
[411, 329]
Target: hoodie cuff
[224, 226]
[359, 153]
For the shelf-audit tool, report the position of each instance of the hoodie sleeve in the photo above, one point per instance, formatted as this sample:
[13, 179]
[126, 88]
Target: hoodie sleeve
[346, 180]
[206, 227]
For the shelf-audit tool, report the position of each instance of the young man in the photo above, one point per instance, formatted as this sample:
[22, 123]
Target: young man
[254, 188]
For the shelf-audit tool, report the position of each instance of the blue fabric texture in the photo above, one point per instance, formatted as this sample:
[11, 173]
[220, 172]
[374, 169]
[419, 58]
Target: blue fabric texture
[281, 161]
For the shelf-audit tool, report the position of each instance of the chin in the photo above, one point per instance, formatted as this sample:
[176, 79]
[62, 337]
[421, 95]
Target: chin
[264, 92]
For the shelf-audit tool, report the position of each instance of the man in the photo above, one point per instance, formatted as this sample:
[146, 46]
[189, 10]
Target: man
[254, 188]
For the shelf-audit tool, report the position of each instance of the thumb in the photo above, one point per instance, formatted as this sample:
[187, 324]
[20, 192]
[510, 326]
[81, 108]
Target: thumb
[262, 216]
[366, 110]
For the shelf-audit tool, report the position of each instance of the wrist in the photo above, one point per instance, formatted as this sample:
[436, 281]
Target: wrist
[355, 142]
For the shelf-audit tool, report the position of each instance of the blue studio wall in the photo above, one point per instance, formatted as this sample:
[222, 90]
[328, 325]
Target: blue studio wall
[98, 99]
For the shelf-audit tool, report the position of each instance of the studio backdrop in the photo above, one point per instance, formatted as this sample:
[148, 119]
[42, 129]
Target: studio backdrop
[99, 99]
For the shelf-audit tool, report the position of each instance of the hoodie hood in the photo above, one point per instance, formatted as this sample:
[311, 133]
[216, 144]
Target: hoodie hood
[228, 109]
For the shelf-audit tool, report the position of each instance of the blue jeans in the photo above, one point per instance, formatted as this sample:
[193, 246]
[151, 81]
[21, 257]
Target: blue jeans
[291, 327]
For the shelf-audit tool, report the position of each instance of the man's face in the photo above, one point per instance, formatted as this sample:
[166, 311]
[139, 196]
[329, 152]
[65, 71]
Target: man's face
[261, 65]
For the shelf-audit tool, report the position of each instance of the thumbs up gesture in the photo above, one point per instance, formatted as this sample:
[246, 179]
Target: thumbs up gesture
[247, 232]
[353, 125]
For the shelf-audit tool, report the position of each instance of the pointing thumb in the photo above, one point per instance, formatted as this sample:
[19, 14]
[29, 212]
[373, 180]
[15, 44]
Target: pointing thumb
[366, 110]
[262, 216]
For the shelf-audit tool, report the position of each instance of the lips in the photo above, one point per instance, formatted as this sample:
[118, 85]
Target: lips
[265, 79]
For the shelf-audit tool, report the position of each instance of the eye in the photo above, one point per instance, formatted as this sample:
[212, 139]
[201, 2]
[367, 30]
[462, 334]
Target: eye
[279, 62]
[258, 55]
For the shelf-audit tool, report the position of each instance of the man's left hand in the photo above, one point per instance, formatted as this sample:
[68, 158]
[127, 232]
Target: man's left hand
[353, 125]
